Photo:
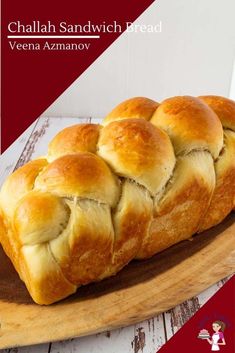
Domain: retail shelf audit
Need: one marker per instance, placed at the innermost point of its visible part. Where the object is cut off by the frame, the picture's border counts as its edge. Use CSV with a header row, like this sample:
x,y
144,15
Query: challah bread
x,y
223,197
151,176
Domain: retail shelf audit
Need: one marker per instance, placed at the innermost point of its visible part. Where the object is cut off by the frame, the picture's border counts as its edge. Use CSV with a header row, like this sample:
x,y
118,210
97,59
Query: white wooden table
x,y
145,337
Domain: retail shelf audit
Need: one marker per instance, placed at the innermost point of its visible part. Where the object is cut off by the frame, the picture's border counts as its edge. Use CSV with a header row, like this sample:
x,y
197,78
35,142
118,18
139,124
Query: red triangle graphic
x,y
33,79
220,307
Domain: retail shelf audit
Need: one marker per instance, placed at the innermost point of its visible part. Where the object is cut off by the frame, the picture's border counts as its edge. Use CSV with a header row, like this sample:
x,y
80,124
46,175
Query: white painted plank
x,y
33,143
41,348
146,337
47,129
178,316
208,293
10,157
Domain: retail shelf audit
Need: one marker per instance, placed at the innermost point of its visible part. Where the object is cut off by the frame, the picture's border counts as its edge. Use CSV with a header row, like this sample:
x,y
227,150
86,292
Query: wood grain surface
x,y
138,292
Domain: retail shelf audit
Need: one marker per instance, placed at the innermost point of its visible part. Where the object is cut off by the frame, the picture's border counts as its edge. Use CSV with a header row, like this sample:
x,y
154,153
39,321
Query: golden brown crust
x,y
185,201
223,198
81,175
136,149
135,108
152,176
191,124
48,284
131,223
84,249
224,108
36,267
19,183
10,246
39,217
74,139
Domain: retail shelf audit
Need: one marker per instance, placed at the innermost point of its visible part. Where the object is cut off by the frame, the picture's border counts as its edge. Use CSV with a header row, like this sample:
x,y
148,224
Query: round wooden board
x,y
141,290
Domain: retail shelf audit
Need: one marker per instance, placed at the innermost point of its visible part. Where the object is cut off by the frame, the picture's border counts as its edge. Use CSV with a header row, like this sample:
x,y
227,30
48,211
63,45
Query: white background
x,y
193,55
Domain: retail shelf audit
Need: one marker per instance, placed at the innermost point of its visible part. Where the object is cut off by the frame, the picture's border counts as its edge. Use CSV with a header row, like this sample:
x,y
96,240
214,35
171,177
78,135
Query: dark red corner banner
x,y
221,307
33,79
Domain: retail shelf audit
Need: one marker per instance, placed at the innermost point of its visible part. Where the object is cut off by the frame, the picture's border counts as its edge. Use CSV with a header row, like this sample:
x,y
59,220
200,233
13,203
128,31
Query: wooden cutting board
x,y
141,290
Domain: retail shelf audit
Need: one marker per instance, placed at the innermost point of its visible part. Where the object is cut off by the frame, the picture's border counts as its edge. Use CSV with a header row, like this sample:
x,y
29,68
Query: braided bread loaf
x,y
151,176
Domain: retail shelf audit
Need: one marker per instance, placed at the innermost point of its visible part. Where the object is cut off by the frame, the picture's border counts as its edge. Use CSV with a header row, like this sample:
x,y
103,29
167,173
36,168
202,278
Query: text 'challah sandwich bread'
x,y
150,176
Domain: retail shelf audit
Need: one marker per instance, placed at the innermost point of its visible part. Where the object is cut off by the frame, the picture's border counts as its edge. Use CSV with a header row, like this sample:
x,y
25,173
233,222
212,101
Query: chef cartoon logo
x,y
217,339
